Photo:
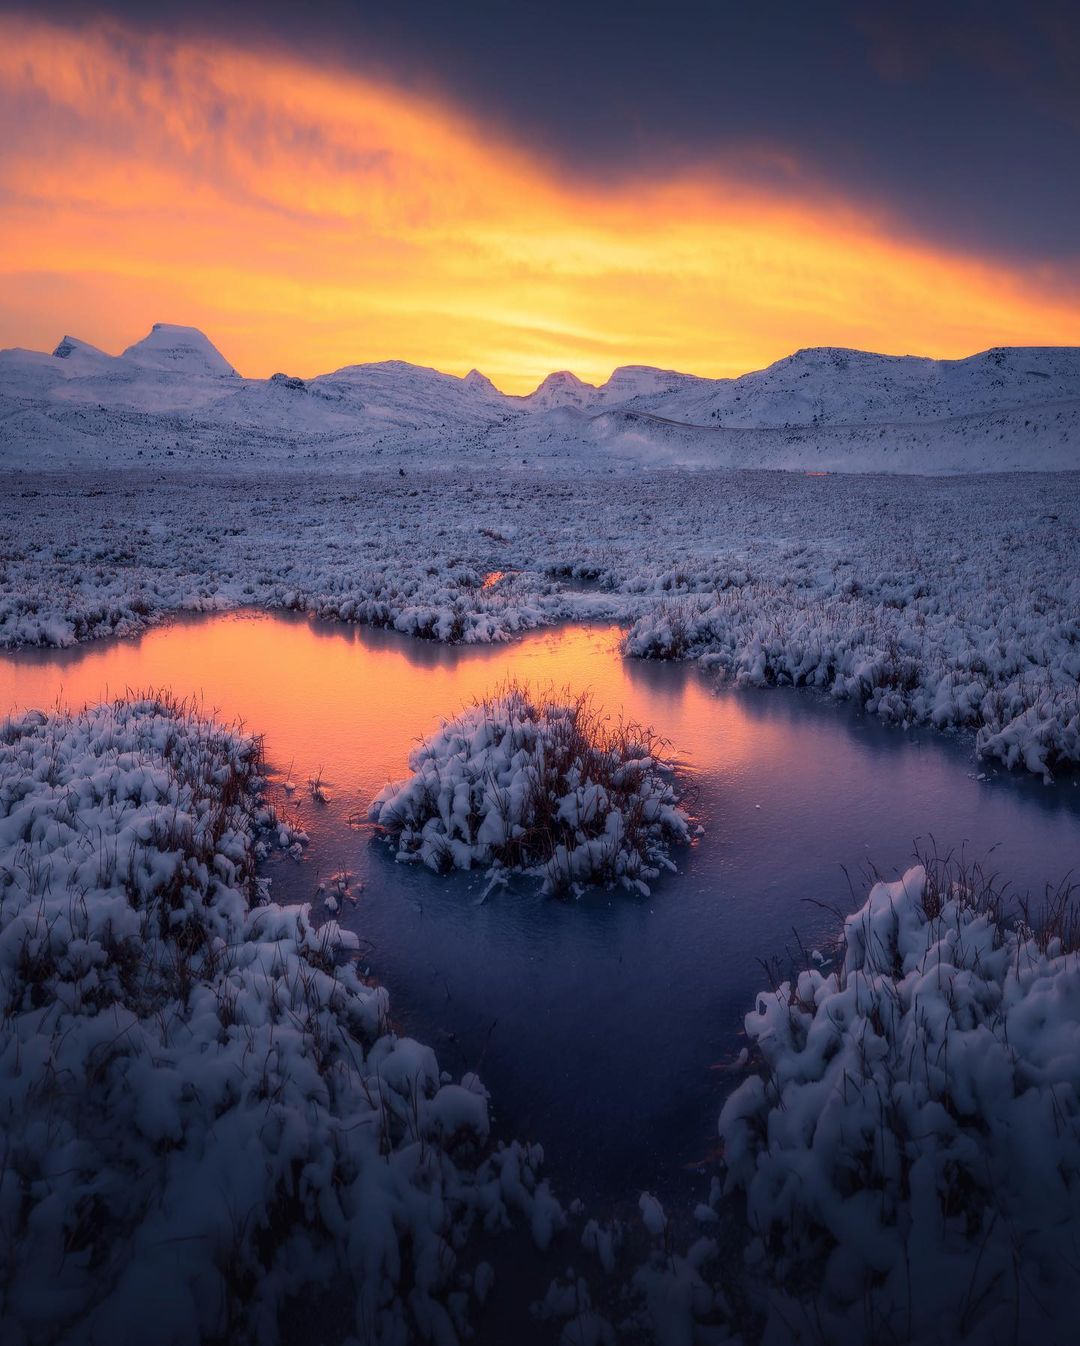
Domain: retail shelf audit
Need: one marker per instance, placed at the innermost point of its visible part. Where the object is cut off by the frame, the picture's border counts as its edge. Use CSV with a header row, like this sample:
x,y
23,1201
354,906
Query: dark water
x,y
598,1025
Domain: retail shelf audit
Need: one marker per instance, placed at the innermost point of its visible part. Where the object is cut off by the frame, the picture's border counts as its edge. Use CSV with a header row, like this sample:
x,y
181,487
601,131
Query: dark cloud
x,y
961,120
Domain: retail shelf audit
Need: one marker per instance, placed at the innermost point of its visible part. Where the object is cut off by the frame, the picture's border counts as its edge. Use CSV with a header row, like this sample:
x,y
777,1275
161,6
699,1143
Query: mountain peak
x,y
562,389
636,380
72,346
184,350
563,378
479,383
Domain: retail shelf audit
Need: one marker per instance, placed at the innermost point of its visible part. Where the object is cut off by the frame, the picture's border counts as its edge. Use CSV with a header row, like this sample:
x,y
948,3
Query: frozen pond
x,y
598,1024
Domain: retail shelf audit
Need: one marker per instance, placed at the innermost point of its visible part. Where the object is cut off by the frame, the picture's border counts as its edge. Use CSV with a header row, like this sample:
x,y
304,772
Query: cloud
x,y
307,216
961,122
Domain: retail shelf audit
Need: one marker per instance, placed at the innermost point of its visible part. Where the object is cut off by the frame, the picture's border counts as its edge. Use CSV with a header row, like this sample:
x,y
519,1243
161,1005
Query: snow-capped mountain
x,y
181,350
830,386
561,389
397,393
630,382
173,395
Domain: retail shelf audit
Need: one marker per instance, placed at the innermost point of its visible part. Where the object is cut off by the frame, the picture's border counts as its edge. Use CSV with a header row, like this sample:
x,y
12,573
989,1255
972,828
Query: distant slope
x,y
828,386
174,396
1043,438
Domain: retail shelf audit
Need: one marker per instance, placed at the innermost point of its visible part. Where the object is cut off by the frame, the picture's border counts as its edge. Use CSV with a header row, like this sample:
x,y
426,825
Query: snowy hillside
x,y
828,386
173,395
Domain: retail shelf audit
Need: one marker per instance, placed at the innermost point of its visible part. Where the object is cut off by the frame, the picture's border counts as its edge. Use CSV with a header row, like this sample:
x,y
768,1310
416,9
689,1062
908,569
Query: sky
x,y
528,187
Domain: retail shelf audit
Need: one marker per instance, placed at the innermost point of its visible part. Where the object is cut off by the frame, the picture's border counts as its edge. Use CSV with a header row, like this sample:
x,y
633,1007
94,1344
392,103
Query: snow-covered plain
x,y
952,601
173,395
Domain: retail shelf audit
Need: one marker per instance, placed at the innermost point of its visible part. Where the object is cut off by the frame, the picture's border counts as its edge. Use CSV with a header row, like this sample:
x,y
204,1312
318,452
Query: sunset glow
x,y
308,219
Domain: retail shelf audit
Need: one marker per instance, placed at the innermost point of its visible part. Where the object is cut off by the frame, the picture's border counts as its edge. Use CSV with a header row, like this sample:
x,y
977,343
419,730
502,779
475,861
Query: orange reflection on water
x,y
349,703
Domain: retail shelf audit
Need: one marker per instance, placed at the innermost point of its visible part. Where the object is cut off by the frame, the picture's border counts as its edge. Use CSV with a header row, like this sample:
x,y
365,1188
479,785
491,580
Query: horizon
x,y
551,373
325,197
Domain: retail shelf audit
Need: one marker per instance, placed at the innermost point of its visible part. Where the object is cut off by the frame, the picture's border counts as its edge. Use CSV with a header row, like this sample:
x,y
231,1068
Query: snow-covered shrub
x,y
541,783
910,1147
202,1110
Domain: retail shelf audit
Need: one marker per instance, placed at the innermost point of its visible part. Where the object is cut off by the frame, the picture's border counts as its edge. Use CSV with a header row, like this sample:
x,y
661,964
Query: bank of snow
x,y
910,1148
202,1106
541,784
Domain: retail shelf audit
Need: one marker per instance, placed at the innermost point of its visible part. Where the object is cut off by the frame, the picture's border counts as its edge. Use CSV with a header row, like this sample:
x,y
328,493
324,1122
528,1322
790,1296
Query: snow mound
x,y
912,1142
184,350
543,785
203,1110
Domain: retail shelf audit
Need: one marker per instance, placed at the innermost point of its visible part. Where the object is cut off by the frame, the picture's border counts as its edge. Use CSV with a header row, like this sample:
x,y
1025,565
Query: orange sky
x,y
306,219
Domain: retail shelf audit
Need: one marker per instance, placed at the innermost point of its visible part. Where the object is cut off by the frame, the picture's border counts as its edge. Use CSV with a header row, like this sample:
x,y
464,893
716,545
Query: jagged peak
x,y
479,383
70,346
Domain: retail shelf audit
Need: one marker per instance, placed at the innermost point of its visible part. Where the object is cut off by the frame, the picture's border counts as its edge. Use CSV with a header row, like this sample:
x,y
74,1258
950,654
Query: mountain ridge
x,y
836,408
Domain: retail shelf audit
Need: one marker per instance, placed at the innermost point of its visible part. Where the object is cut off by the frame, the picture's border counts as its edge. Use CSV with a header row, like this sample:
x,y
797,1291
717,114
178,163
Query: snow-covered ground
x,y
174,397
952,601
204,1110
207,1117
203,1106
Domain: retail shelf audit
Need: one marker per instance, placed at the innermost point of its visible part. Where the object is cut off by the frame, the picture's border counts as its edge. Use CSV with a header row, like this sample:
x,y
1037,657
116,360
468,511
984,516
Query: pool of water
x,y
600,1025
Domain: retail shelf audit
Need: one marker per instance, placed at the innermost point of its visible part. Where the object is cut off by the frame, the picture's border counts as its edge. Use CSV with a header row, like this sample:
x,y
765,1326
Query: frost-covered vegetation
x,y
542,783
203,1110
949,601
901,1161
909,1146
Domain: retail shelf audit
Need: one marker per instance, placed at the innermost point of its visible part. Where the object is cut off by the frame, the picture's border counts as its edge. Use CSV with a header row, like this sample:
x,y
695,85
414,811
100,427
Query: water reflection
x,y
596,1024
